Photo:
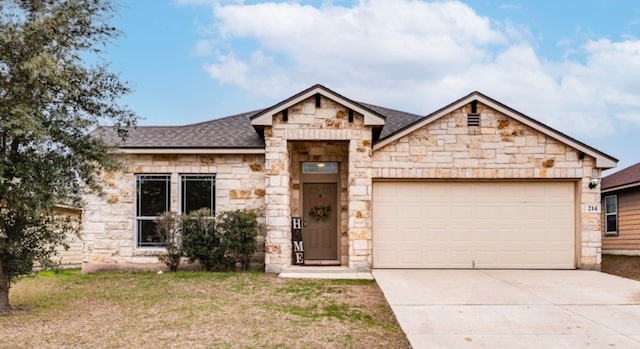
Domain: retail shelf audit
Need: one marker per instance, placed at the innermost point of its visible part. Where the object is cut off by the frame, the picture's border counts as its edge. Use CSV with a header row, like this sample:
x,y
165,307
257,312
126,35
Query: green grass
x,y
192,309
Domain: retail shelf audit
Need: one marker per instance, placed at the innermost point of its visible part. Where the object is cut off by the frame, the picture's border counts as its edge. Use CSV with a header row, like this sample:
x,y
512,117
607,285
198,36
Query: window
x,y
320,167
152,198
198,192
611,215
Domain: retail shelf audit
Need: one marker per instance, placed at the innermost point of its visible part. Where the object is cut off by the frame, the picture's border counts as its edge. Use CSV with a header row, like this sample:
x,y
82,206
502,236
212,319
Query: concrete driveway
x,y
513,308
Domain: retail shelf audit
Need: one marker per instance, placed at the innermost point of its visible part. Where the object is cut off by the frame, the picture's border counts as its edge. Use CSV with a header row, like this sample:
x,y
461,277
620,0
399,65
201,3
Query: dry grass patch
x,y
197,310
625,266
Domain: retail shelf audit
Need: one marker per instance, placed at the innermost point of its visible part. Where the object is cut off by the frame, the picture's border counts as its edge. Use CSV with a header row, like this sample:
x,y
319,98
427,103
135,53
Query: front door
x,y
320,212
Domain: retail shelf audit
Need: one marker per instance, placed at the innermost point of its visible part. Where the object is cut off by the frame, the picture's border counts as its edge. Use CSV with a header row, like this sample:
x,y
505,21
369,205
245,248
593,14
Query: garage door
x,y
474,225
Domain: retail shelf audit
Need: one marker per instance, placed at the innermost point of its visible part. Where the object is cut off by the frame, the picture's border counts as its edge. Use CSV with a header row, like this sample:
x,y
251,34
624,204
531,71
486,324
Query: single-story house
x,y
475,184
621,214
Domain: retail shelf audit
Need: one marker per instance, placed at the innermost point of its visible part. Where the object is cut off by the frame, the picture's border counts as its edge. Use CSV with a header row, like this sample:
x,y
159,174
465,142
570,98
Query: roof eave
x,y
193,150
621,187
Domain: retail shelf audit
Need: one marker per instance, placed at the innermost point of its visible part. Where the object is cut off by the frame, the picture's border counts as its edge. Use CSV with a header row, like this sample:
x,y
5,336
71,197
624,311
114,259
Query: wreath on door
x,y
320,209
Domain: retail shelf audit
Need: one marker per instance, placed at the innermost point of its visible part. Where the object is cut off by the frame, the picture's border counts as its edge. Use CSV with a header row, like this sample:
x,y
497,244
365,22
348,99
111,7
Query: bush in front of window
x,y
238,231
168,230
222,243
201,242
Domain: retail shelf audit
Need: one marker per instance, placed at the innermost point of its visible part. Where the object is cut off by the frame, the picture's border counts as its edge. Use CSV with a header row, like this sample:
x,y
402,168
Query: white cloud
x,y
419,56
204,48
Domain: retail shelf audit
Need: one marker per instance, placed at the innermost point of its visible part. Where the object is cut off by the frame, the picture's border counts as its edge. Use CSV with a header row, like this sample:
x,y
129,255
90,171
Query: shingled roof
x,y
626,178
228,132
231,132
395,119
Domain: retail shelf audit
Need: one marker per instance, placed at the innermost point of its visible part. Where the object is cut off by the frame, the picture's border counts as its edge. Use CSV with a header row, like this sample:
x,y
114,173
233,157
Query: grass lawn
x,y
625,266
196,310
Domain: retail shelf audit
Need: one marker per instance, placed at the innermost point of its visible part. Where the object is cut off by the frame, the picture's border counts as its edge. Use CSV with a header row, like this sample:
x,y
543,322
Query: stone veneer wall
x,y
501,148
109,232
329,123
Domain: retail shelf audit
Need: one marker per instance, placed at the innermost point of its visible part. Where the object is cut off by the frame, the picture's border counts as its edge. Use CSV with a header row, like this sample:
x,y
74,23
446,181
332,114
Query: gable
x,y
265,117
486,106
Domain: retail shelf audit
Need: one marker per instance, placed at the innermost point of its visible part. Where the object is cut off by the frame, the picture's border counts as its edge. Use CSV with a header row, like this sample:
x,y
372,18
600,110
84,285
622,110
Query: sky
x,y
572,64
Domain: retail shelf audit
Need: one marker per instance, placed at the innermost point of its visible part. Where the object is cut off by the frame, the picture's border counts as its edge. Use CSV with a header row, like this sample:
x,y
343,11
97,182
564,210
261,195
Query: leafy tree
x,y
50,97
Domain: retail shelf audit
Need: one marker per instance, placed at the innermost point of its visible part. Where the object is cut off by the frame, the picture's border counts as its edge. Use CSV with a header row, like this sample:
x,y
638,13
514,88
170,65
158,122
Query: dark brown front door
x,y
320,214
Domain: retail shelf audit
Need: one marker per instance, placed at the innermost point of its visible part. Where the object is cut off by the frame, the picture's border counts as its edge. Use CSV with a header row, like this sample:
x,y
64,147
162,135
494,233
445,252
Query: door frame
x,y
323,178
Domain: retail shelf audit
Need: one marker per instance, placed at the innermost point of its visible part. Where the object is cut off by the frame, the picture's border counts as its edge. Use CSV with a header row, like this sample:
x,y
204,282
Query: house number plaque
x,y
296,241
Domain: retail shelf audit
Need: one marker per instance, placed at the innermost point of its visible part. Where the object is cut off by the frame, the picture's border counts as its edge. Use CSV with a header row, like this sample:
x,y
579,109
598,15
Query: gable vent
x,y
473,120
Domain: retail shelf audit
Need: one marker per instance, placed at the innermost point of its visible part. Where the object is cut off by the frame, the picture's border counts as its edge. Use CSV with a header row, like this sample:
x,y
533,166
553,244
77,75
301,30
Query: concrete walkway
x,y
514,308
324,272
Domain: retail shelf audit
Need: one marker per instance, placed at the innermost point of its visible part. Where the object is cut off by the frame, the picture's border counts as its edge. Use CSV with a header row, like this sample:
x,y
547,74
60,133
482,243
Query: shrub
x,y
168,229
237,231
201,242
218,244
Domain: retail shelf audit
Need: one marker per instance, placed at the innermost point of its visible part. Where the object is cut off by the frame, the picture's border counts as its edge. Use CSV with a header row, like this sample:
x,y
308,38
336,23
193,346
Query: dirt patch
x,y
625,266
197,310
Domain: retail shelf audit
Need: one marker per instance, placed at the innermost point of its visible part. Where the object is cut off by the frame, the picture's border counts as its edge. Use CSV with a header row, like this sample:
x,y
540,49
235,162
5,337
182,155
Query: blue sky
x,y
572,64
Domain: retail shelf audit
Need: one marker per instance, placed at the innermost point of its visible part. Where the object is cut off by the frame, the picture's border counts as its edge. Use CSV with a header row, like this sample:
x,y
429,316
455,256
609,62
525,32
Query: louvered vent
x,y
473,120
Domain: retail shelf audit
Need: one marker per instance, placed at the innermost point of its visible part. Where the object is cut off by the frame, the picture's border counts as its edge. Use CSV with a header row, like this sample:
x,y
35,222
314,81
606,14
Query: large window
x,y
611,215
153,196
198,192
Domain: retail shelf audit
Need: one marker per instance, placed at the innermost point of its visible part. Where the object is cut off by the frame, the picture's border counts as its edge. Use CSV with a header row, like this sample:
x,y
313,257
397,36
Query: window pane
x,y
320,167
198,192
153,195
611,204
147,233
612,223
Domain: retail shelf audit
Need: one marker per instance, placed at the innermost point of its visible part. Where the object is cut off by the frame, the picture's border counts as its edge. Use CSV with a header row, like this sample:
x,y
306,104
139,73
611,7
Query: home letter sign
x,y
296,241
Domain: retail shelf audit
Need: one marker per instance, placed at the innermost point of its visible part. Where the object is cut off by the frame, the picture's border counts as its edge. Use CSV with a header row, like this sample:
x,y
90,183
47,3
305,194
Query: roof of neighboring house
x,y
626,178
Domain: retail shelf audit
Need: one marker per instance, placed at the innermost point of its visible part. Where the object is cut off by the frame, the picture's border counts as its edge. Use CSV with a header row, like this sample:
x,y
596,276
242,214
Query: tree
x,y
50,98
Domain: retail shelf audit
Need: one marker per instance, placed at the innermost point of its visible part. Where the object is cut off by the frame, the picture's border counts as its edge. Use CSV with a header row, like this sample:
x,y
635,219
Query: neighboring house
x,y
475,184
73,256
621,213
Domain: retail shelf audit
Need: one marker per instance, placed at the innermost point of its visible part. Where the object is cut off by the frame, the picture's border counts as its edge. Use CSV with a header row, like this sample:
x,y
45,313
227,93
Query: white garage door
x,y
473,225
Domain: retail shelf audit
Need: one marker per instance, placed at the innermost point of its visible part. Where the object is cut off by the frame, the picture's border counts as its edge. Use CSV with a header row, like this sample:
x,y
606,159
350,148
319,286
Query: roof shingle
x,y
627,176
229,132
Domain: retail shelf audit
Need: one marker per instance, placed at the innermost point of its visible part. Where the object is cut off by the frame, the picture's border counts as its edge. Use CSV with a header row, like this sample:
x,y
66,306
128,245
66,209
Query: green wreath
x,y
320,212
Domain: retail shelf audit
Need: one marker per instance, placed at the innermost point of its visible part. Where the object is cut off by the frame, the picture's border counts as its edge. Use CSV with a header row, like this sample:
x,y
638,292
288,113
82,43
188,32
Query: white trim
x,y
136,202
222,151
607,214
265,118
601,160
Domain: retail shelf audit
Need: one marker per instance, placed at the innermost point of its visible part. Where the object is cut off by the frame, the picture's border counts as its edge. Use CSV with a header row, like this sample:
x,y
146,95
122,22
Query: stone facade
x,y
316,128
109,224
500,149
306,125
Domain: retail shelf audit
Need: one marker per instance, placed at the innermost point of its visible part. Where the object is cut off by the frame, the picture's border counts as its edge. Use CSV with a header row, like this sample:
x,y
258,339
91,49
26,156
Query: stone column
x,y
360,202
591,232
277,208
